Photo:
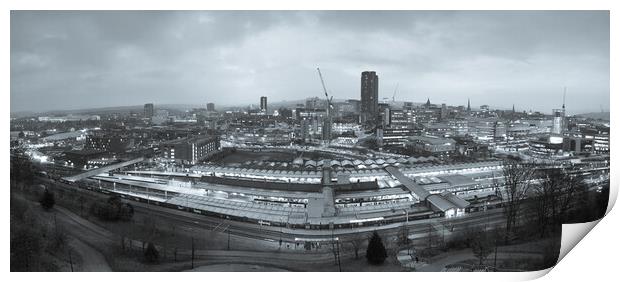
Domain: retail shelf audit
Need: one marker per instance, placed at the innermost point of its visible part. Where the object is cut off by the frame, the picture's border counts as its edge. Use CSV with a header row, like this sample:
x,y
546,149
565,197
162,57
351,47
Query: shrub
x,y
112,210
47,200
151,254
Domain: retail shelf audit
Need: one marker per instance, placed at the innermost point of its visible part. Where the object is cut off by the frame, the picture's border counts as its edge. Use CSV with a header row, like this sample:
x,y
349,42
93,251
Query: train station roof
x,y
413,187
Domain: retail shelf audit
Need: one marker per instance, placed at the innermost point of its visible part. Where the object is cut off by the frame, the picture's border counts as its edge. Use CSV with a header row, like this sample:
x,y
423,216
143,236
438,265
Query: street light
x,y
407,231
228,230
486,208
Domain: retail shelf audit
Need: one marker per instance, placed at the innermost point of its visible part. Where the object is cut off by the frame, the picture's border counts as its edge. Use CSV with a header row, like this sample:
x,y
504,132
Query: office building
x,y
191,150
263,104
443,114
369,95
108,143
148,110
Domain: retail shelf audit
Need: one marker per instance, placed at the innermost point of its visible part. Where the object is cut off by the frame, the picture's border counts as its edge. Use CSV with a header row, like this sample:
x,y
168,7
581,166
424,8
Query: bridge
x,y
101,170
448,203
416,190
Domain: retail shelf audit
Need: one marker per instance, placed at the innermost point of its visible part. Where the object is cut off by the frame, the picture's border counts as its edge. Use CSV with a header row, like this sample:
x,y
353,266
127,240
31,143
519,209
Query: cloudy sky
x,y
83,59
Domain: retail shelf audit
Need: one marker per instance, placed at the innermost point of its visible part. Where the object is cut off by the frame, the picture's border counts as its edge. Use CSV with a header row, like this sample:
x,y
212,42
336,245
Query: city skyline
x,y
95,59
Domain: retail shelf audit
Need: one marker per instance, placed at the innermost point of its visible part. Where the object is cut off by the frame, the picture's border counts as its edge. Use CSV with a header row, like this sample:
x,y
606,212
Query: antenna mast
x,y
394,96
564,100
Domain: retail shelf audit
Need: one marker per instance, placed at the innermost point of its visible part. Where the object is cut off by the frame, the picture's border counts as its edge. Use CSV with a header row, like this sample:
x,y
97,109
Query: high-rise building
x,y
263,104
326,130
399,127
499,130
305,129
558,121
444,112
210,107
148,110
370,95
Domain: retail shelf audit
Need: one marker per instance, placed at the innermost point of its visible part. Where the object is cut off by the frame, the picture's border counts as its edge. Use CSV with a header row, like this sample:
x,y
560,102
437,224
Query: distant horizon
x,y
203,105
66,60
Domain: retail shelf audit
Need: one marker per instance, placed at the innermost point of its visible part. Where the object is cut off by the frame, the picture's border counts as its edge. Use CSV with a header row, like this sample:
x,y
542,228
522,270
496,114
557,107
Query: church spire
x,y
428,102
468,105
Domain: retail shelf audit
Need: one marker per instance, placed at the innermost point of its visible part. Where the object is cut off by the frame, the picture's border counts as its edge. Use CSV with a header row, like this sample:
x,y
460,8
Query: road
x,y
96,237
100,238
237,267
82,235
92,260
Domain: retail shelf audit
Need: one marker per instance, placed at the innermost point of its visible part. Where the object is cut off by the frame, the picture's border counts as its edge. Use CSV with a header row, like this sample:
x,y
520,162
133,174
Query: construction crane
x,y
394,96
329,106
327,123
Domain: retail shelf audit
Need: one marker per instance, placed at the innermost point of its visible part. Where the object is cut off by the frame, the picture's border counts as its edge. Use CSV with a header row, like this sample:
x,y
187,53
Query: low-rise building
x,y
430,145
546,147
191,150
80,158
108,143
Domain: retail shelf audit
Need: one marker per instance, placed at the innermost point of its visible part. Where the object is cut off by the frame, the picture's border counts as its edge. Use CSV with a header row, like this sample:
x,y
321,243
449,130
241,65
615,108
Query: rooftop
x,y
431,139
189,139
458,180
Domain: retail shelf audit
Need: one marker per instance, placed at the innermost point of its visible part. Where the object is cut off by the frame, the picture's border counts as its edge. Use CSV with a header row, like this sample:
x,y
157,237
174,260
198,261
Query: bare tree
x,y
356,242
173,231
517,181
403,235
553,195
482,246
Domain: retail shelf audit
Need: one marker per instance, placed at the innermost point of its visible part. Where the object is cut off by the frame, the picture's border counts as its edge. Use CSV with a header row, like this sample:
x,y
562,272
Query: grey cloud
x,y
76,59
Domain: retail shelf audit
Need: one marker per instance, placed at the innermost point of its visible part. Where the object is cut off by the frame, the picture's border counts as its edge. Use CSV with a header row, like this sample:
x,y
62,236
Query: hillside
x,y
599,115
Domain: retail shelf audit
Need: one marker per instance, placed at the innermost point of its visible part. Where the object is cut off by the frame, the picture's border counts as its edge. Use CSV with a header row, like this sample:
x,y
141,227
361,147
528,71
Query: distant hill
x,y
22,114
599,115
105,110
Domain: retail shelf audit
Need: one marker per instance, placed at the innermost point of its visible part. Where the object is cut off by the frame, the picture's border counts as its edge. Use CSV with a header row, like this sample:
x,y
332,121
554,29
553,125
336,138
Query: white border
x,y
594,258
